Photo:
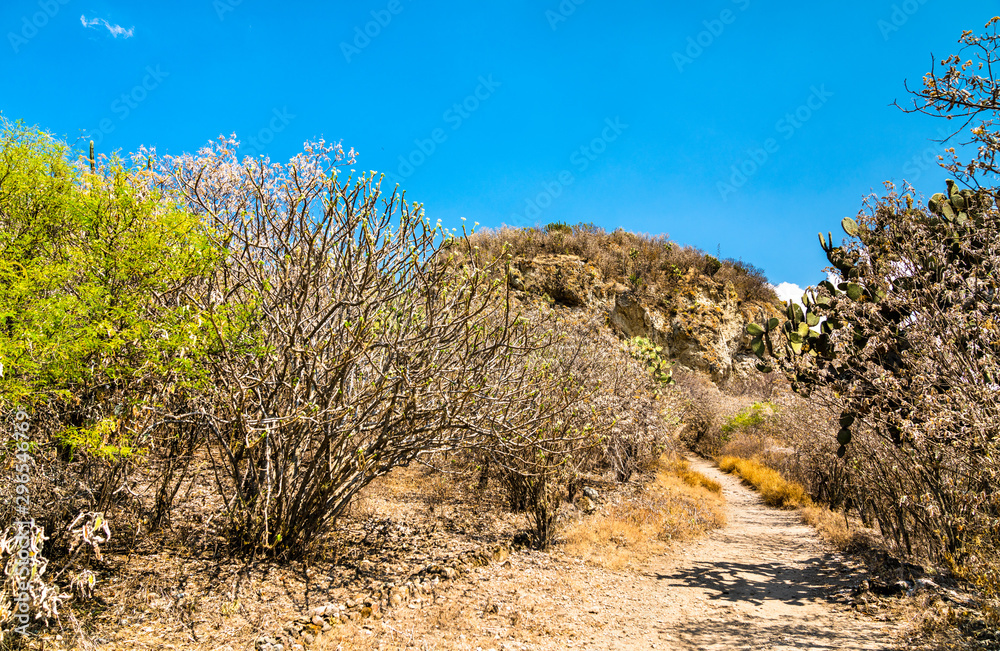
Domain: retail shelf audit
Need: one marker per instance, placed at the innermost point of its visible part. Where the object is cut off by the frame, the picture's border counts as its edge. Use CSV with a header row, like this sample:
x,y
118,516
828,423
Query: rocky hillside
x,y
700,322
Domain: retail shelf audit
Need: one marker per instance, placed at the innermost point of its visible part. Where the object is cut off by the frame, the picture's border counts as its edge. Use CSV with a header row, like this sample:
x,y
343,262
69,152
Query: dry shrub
x,y
645,413
704,410
774,489
679,504
649,264
748,280
614,420
982,571
793,436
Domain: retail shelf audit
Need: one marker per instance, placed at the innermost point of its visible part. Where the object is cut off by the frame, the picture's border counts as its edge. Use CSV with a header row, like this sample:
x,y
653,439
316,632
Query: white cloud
x,y
789,292
116,30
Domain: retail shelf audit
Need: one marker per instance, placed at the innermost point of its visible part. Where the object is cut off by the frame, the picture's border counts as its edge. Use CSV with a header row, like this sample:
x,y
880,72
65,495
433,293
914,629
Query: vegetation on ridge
x,y
651,265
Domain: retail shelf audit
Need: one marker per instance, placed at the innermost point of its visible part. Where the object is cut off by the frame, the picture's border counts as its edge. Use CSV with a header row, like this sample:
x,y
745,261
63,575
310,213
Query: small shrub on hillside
x,y
712,265
749,281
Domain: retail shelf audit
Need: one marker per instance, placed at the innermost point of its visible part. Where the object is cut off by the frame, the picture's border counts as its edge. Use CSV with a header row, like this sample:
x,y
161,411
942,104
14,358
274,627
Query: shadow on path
x,y
756,582
814,633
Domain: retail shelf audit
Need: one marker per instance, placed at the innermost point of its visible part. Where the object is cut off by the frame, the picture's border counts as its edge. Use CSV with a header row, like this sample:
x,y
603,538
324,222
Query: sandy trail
x,y
764,581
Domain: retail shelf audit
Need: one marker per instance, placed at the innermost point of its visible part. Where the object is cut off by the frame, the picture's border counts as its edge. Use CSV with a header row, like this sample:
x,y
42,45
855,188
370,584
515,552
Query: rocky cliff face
x,y
701,325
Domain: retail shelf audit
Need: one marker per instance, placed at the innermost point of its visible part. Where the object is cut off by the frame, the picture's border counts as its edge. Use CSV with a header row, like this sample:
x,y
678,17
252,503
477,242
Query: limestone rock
x,y
566,279
701,324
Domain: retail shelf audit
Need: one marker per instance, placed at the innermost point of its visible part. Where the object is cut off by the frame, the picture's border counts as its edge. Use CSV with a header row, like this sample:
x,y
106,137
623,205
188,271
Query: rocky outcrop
x,y
565,279
701,325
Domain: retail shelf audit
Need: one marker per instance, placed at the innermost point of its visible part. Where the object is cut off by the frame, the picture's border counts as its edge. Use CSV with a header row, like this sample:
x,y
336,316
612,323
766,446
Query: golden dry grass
x,y
679,504
774,489
682,469
833,527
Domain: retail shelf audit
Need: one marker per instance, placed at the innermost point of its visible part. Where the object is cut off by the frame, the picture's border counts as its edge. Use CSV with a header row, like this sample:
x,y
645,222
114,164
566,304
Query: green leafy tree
x,y
97,333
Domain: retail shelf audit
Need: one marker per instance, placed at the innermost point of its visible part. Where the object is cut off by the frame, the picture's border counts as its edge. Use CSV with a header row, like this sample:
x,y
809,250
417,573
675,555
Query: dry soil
x,y
764,581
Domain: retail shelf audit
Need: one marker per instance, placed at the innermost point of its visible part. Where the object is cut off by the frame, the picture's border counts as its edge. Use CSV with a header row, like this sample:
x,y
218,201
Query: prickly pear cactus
x,y
814,345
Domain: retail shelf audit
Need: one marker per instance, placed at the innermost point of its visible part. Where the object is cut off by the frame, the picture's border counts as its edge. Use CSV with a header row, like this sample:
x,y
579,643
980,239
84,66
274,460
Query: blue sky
x,y
631,114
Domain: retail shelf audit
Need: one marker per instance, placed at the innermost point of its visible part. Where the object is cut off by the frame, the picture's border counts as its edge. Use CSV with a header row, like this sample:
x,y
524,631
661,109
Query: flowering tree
x,y
966,91
351,336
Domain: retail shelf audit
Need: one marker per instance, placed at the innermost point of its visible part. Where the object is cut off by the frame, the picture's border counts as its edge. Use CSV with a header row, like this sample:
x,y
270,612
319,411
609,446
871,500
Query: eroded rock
x,y
701,325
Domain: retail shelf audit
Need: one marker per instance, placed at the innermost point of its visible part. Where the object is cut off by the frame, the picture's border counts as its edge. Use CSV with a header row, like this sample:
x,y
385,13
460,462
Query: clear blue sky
x,y
602,112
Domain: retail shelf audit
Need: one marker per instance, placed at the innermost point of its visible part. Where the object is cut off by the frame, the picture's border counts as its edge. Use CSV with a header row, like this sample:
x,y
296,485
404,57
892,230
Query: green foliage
x,y
712,265
558,227
92,273
750,418
647,352
94,439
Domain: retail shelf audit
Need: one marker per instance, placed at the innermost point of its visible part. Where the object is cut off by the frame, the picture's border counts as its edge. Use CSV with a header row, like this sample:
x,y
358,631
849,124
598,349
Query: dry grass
x,y
681,468
835,528
679,504
774,489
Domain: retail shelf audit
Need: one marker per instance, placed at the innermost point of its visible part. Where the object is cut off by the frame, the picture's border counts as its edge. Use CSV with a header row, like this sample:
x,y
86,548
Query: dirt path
x,y
762,582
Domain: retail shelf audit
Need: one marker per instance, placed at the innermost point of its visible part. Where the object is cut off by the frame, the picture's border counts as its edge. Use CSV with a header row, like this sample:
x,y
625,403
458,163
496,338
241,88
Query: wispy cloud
x,y
116,30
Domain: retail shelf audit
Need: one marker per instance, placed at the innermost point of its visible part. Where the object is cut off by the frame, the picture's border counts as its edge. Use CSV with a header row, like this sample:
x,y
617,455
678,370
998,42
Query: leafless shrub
x,y
539,465
795,437
639,411
705,407
908,358
26,594
612,417
351,337
749,281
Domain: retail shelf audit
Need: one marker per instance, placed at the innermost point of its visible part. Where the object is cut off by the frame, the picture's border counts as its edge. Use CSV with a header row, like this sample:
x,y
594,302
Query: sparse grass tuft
x,y
679,504
833,527
773,488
